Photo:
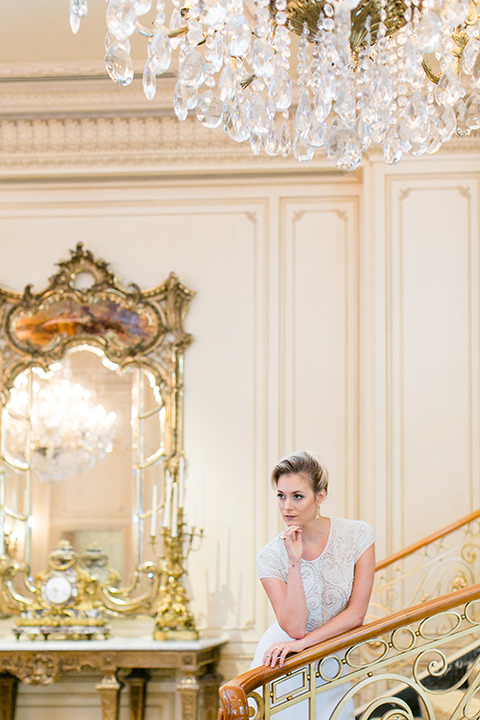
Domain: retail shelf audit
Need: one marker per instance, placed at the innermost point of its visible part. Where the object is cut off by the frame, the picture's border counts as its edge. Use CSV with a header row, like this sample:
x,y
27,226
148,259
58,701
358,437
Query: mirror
x,y
92,463
81,447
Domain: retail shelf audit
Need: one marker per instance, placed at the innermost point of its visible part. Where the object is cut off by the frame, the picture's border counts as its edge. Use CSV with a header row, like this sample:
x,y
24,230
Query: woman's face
x,y
296,499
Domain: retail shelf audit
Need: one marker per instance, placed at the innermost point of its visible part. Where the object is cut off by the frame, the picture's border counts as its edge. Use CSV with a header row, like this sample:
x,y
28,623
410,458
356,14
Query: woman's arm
x,y
351,617
288,599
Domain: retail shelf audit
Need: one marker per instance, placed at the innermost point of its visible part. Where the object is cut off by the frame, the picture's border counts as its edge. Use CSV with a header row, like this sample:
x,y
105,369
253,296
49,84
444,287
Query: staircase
x,y
417,656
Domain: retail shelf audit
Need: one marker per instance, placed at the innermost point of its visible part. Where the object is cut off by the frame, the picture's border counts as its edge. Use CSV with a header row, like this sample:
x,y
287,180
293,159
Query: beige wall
x,y
338,313
333,312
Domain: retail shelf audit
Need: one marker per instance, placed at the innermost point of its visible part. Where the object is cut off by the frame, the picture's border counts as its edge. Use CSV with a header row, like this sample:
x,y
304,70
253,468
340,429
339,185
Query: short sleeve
x,y
269,563
365,538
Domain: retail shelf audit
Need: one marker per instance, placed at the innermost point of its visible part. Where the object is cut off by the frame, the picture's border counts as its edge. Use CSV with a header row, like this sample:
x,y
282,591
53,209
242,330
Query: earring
x,y
317,517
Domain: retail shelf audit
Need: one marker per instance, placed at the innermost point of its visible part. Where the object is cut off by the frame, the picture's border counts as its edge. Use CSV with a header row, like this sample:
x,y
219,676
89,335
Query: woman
x,y
318,573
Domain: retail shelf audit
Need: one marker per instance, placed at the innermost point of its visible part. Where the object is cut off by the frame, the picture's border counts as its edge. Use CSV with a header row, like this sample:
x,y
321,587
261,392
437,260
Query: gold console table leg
x,y
8,696
209,690
137,686
188,689
109,690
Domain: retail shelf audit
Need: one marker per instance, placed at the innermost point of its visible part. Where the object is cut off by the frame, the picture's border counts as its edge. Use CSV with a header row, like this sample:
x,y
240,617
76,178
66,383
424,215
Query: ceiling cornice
x,y
87,125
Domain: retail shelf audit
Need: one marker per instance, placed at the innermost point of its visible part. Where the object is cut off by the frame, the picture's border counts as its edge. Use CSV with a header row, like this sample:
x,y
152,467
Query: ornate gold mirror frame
x,y
142,333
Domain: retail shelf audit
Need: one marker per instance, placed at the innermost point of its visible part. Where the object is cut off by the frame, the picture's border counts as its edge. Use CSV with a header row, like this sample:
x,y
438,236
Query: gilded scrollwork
x,y
405,673
85,305
257,706
124,323
40,668
446,564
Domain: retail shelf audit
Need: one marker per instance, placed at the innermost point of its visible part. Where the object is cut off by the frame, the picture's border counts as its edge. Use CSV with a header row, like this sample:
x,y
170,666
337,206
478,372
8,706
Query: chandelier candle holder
x,y
401,74
173,619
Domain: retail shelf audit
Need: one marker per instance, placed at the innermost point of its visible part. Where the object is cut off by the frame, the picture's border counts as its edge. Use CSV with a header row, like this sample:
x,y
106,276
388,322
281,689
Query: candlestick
x,y
153,524
174,510
193,502
181,482
168,500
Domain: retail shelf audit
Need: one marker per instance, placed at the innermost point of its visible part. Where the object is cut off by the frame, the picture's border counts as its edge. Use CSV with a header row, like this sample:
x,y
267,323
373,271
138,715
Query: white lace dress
x,y
327,582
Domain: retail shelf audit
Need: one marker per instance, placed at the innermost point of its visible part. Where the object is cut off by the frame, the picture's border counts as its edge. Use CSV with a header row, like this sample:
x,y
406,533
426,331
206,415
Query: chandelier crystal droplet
x,y
69,432
402,74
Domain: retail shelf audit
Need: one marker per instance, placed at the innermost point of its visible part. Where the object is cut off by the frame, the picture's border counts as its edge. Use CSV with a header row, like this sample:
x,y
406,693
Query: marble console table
x,y
121,661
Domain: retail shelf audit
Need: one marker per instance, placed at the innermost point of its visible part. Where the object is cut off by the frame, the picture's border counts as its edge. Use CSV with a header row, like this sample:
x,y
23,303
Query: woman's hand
x,y
292,537
279,651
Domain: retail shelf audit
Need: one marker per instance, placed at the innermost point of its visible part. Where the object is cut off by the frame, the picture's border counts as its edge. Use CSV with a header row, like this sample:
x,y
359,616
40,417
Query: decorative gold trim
x,y
376,670
444,562
160,312
85,304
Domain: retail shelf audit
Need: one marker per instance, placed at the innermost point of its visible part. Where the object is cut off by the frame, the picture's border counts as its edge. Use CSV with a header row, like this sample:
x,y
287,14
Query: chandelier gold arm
x,y
460,39
365,20
429,72
174,33
142,30
473,12
248,81
307,12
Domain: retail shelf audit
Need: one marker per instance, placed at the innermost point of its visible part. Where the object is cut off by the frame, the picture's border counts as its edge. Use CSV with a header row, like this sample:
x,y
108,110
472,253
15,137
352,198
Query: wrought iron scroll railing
x,y
422,662
443,562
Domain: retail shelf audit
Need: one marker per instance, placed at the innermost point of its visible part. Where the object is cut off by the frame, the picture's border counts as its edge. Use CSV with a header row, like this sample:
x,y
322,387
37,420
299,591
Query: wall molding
x,y
397,422
76,120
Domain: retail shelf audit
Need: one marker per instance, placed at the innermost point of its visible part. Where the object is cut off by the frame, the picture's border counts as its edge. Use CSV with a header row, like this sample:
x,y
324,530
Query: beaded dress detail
x,y
328,579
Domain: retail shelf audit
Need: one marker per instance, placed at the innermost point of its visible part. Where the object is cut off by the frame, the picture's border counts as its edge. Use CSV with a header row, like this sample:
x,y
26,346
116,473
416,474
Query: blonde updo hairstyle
x,y
303,463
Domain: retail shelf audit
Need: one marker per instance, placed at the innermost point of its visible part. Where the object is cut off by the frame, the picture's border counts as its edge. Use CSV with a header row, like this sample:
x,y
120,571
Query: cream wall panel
x,y
434,354
373,448
419,346
320,338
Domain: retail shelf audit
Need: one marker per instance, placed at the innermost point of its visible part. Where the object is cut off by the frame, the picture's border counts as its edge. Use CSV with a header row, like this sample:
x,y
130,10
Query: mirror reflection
x,y
82,421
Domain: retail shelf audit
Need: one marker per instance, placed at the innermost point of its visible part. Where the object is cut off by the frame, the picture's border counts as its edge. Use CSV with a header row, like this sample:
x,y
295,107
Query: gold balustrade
x,y
425,657
418,655
445,561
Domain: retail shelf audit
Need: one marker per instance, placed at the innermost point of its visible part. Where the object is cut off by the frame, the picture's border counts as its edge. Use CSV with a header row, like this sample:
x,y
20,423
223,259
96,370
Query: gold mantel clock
x,y
135,342
65,604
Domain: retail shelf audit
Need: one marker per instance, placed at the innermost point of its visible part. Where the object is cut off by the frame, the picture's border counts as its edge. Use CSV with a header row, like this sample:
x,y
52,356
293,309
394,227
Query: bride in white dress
x,y
318,575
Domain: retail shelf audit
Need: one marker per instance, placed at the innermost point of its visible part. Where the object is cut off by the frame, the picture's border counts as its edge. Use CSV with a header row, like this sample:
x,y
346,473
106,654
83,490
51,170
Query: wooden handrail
x,y
234,694
427,540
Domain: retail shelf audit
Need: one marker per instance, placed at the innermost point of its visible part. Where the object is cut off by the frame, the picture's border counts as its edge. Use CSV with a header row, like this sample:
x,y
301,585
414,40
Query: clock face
x,y
57,590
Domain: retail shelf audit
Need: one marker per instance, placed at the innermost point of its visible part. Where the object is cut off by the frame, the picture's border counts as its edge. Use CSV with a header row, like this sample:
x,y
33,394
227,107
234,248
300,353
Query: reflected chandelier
x,y
69,433
403,74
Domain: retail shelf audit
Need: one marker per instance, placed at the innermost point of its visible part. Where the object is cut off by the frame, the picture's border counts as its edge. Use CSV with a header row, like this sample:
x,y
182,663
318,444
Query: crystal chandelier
x,y
402,74
69,433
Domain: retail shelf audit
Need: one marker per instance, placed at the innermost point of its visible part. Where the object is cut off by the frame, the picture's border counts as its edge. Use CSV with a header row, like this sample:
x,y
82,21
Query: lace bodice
x,y
328,579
